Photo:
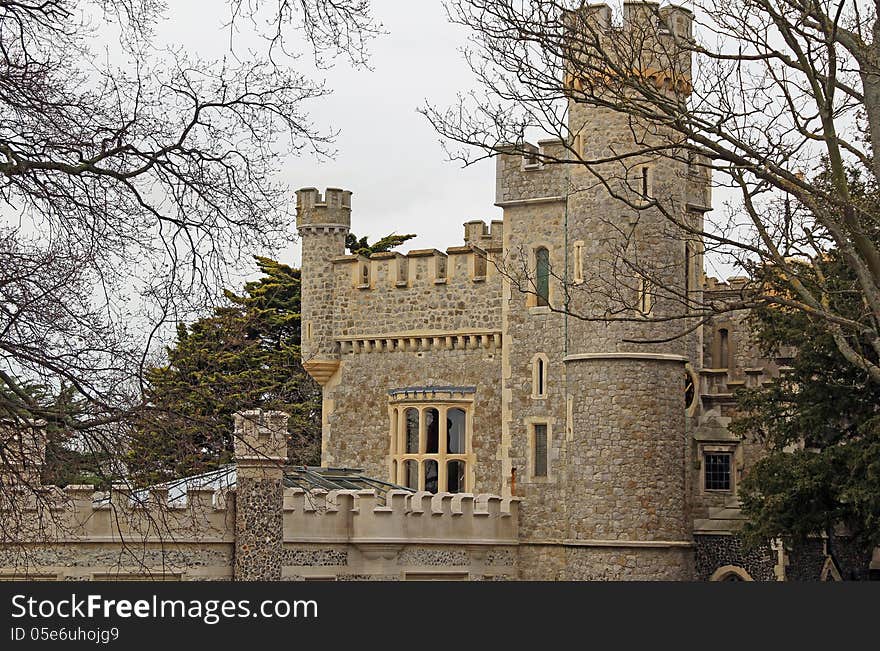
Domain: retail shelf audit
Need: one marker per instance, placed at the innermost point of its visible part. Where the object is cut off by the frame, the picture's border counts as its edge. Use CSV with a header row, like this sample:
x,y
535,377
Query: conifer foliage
x,y
243,356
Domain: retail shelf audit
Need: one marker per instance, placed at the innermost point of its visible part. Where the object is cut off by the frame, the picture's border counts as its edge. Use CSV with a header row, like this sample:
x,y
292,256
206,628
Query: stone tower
x,y
608,498
323,223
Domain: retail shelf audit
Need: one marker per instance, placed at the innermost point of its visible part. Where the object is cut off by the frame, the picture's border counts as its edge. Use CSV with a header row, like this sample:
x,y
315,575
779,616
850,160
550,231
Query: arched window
x,y
539,376
542,276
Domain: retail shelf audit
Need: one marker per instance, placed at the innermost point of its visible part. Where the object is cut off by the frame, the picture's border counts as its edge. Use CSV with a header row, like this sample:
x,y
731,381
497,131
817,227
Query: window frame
x,y
542,299
531,424
399,456
730,449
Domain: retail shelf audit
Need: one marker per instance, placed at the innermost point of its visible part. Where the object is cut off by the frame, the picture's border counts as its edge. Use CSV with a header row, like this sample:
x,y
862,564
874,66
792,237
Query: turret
x,y
323,222
602,427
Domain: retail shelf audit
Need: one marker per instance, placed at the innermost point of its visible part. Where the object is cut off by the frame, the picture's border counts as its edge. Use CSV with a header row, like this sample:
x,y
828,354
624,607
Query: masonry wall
x,y
356,405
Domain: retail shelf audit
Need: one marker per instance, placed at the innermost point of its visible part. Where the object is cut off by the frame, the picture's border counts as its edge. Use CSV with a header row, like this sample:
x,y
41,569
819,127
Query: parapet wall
x,y
527,173
424,291
79,534
403,518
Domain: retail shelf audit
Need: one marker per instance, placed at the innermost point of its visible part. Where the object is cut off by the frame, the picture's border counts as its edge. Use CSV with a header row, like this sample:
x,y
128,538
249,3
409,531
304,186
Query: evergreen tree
x,y
362,247
820,422
245,355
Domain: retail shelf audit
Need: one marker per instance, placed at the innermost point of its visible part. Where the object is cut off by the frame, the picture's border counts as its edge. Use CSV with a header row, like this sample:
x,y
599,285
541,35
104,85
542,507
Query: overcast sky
x,y
389,156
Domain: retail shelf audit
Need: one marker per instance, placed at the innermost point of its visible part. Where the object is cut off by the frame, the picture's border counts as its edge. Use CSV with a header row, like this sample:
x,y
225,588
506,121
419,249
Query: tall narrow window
x,y
540,452
646,181
431,476
723,348
411,474
539,376
578,262
455,476
479,264
687,269
432,431
645,298
455,430
412,431
542,276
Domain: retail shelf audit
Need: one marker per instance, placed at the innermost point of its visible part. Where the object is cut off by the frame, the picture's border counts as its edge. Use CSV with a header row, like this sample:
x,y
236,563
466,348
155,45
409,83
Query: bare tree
x,y
135,168
778,99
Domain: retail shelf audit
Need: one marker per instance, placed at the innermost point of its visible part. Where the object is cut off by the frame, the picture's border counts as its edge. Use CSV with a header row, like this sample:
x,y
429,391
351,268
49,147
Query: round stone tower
x,y
323,222
625,465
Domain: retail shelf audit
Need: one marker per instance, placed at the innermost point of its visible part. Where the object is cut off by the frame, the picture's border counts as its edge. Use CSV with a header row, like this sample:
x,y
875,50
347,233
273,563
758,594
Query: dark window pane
x,y
431,476
540,450
542,276
455,425
717,472
540,374
412,431
411,474
455,476
432,431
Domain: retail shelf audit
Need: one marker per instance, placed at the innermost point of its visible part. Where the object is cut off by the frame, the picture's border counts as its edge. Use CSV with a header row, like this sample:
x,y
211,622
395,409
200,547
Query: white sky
x,y
388,155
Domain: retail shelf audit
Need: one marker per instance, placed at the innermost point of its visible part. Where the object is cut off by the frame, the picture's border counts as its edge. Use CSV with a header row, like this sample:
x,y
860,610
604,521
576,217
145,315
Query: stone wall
x,y
715,552
356,402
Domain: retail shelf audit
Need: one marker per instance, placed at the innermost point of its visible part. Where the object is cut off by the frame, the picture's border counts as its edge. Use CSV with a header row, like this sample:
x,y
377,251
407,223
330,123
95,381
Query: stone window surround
x,y
735,451
717,362
541,368
725,571
531,293
530,423
578,260
644,296
442,401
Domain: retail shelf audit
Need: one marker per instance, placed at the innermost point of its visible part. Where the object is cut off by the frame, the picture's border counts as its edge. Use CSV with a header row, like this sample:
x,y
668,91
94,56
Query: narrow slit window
x,y
578,262
645,299
542,276
479,264
723,348
687,269
539,377
540,435
646,181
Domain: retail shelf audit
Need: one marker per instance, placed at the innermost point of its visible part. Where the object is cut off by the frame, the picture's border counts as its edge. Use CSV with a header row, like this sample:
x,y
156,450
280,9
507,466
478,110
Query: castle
x,y
534,439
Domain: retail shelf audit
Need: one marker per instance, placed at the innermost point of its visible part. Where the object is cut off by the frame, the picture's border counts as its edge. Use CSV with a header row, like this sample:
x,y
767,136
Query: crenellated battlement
x,y
81,513
526,174
732,284
486,238
662,36
330,210
402,517
424,267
